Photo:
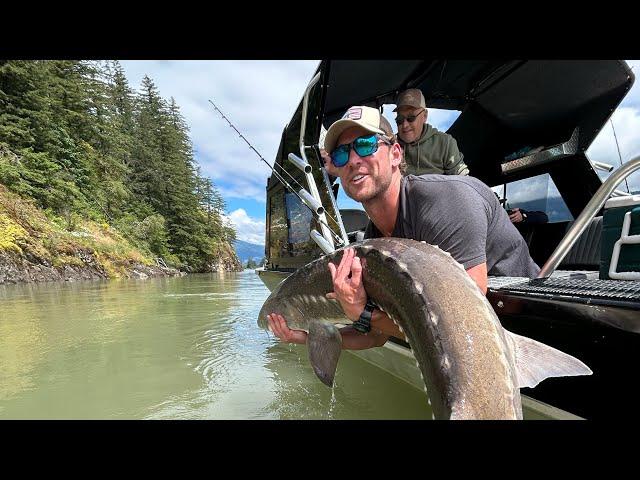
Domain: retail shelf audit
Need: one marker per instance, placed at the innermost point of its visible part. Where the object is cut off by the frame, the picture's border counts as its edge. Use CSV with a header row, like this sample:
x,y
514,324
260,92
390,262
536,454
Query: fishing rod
x,y
307,197
619,154
304,201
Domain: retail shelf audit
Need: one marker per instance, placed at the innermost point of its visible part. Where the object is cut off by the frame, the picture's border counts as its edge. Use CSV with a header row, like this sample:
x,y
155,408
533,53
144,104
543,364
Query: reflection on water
x,y
171,348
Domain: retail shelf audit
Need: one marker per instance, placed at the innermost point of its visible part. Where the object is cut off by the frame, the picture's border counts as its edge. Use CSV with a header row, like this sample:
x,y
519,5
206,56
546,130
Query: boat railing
x,y
593,207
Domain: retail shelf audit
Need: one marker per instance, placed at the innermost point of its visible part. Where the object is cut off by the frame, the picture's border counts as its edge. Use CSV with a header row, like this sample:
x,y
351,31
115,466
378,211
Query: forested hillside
x,y
90,154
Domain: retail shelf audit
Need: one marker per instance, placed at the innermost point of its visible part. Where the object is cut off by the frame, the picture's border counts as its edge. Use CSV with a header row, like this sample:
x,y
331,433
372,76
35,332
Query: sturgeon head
x,y
472,367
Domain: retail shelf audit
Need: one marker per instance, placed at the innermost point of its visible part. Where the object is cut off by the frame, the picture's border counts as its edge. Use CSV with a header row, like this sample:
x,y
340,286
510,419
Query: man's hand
x,y
515,216
347,285
278,326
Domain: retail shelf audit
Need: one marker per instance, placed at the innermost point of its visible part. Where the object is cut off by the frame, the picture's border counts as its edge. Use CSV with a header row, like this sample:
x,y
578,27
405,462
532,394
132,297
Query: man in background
x,y
426,150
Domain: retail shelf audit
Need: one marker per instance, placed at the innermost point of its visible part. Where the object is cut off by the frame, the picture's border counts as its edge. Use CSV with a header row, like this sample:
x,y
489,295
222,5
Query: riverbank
x,y
16,269
40,247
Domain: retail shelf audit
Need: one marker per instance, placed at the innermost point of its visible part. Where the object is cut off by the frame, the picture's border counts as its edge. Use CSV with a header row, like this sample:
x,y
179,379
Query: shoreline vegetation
x,y
36,248
98,181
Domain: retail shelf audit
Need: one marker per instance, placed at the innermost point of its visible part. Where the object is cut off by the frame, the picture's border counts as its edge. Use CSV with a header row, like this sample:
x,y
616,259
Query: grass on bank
x,y
43,237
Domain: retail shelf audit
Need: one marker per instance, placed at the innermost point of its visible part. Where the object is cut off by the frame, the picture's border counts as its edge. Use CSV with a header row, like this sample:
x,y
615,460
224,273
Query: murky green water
x,y
176,348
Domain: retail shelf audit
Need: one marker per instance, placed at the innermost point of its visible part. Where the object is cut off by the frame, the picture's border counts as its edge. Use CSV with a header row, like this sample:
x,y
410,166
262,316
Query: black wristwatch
x,y
363,324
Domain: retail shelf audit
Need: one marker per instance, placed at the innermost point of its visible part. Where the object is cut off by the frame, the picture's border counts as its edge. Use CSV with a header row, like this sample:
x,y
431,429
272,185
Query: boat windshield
x,y
537,193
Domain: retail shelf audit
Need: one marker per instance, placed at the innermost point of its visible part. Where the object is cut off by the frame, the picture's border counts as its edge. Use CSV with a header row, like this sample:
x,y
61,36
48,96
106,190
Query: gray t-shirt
x,y
462,216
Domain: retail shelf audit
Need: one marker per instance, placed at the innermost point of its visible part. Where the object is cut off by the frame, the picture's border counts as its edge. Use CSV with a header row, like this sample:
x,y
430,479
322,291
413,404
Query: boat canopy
x,y
507,106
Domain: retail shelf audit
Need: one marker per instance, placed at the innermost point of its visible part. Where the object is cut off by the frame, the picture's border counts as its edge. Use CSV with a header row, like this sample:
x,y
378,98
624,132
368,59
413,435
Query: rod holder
x,y
602,166
325,246
300,163
311,202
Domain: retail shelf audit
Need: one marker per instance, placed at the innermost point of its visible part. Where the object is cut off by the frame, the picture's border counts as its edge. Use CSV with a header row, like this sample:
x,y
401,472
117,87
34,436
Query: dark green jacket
x,y
433,152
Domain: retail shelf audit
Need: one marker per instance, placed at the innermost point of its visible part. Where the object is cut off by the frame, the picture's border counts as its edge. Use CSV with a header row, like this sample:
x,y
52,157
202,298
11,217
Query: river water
x,y
172,348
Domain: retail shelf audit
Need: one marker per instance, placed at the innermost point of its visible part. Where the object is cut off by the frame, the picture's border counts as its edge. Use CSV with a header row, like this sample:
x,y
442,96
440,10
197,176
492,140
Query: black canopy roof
x,y
505,104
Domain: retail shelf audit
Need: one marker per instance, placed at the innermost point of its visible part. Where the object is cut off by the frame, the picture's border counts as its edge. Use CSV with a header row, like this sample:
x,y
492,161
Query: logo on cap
x,y
354,113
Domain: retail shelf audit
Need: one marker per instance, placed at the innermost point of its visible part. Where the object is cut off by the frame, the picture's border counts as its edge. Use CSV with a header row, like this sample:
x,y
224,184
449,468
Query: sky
x,y
260,96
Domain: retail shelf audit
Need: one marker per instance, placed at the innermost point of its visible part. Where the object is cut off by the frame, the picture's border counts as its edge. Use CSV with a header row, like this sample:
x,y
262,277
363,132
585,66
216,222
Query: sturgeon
x,y
471,366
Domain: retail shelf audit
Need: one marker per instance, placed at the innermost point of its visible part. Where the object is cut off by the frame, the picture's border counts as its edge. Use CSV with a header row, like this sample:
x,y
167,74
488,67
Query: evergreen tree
x,y
251,263
146,163
34,126
75,137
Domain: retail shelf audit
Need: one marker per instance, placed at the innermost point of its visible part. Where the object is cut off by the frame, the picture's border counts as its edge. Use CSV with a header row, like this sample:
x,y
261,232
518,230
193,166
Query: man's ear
x,y
396,154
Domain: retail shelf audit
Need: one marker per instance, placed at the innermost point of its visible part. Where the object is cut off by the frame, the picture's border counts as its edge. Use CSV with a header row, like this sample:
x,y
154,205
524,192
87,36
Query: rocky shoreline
x,y
19,269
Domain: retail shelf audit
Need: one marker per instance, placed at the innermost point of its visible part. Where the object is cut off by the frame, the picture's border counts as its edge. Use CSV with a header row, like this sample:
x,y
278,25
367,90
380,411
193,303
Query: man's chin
x,y
360,195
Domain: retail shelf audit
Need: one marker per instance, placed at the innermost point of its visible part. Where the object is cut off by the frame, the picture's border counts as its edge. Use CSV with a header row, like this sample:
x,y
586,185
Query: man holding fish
x,y
459,214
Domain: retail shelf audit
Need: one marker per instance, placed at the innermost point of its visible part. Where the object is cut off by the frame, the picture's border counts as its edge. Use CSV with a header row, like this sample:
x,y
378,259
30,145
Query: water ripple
x,y
185,347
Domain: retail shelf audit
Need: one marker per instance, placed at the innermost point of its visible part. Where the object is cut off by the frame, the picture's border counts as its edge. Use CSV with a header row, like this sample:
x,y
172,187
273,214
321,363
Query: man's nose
x,y
354,158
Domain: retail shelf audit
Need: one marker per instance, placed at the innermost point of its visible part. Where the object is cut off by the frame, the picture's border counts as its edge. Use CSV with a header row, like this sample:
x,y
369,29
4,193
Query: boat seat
x,y
585,253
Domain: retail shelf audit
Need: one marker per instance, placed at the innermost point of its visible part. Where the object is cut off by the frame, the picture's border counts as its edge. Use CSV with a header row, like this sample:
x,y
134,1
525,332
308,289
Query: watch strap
x,y
363,324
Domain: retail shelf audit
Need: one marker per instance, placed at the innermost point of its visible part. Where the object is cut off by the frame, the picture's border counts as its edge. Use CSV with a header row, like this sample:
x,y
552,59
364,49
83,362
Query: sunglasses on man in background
x,y
409,118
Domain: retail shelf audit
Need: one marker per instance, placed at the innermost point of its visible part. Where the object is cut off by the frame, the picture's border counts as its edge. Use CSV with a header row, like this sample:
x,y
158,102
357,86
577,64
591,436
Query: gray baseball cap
x,y
412,97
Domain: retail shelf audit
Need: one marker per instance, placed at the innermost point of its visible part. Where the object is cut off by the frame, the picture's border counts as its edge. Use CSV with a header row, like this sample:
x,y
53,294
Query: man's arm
x,y
453,162
535,217
347,281
351,339
350,294
479,275
354,340
518,215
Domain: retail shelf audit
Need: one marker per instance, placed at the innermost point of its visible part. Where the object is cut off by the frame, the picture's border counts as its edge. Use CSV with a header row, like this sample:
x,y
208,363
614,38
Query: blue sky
x,y
259,98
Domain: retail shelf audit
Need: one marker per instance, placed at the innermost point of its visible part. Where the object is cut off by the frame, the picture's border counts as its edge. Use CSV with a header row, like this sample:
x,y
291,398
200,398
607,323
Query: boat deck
x,y
573,286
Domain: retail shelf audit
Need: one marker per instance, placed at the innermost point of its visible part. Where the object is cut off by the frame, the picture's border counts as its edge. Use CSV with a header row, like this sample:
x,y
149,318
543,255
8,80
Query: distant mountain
x,y
246,250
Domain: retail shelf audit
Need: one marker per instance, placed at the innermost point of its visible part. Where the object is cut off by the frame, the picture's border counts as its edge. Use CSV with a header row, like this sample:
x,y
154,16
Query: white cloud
x,y
528,189
626,121
248,229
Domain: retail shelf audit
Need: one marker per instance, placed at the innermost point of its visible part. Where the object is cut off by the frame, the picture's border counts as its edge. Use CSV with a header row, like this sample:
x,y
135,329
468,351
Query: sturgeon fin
x,y
536,361
325,345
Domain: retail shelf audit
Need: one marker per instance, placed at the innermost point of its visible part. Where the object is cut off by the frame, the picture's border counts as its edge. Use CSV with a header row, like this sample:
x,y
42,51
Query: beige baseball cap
x,y
358,116
412,97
